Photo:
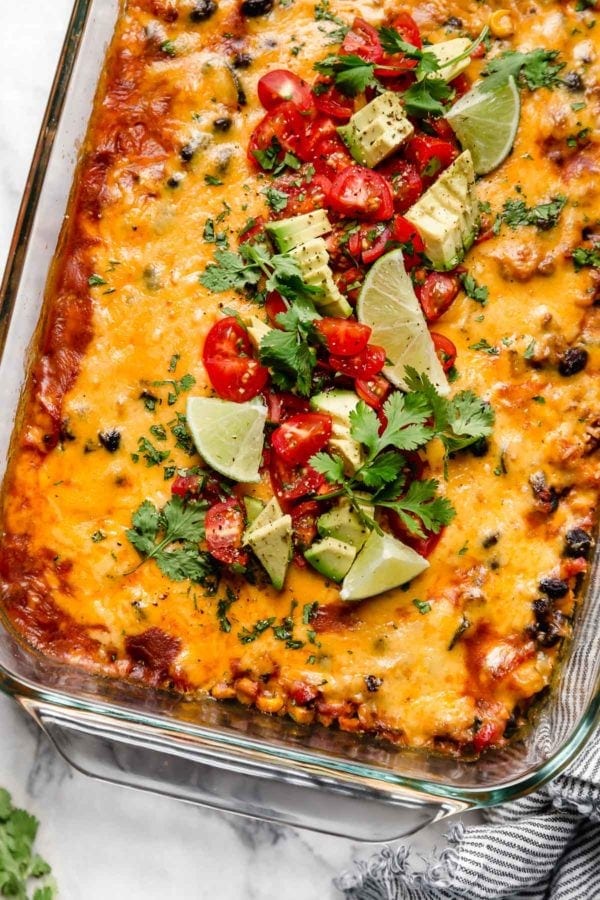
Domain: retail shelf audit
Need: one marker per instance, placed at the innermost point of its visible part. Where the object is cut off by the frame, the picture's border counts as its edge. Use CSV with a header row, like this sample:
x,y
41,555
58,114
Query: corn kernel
x,y
501,23
269,704
301,715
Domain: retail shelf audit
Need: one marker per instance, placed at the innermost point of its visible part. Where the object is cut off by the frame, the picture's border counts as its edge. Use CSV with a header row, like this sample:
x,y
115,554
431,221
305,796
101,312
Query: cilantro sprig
x,y
18,862
170,537
253,263
536,69
289,352
413,419
586,257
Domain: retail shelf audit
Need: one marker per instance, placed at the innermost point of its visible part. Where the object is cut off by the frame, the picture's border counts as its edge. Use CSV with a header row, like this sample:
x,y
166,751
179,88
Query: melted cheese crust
x,y
101,347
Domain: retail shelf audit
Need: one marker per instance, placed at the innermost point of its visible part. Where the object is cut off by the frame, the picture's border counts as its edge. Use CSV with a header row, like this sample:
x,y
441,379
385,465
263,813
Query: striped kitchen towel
x,y
545,846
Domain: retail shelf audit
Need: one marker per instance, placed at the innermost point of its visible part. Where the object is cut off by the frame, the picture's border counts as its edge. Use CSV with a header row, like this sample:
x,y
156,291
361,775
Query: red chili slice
x,y
224,524
228,361
437,294
280,86
344,337
445,349
301,436
373,391
364,365
361,193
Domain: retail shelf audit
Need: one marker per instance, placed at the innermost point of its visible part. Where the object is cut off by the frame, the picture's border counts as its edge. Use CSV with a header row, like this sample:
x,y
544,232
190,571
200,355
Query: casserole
x,y
79,710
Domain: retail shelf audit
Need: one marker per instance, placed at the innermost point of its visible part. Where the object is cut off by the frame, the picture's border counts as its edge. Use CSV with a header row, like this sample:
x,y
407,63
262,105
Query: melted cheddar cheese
x,y
136,219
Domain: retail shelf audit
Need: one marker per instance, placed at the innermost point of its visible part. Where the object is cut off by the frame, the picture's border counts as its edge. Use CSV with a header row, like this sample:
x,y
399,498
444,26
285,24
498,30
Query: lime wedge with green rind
x,y
228,436
389,305
383,563
486,122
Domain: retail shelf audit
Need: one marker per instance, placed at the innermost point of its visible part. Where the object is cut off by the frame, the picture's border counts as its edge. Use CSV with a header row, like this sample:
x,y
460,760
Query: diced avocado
x,y
288,233
376,130
272,545
339,404
254,507
270,513
344,524
257,330
311,256
446,215
330,557
313,260
445,52
349,451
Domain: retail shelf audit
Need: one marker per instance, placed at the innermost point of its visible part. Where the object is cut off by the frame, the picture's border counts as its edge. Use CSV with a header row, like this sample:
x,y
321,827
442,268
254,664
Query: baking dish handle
x,y
248,785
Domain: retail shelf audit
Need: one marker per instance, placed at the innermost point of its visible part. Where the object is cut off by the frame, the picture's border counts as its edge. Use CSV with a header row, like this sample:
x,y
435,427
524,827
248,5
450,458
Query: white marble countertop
x,y
106,841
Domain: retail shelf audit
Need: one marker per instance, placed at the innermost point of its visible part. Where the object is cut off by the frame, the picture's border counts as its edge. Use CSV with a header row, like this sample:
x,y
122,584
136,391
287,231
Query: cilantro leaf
x,y
364,426
421,502
155,532
290,359
18,862
277,200
586,257
330,466
351,74
406,416
470,419
229,271
536,69
425,98
384,469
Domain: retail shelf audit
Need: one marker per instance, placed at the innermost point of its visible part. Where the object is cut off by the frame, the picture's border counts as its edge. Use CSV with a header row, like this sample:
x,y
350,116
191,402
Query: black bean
x,y
252,8
202,10
555,588
110,439
222,124
577,543
453,22
242,61
572,361
573,81
545,495
373,683
175,180
548,627
490,540
187,152
480,447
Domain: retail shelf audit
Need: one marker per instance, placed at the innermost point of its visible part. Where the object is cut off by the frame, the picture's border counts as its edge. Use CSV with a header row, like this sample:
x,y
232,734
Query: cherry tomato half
x,y
445,349
487,734
279,86
343,337
290,483
282,405
301,436
227,358
423,546
430,154
274,305
404,232
372,391
361,193
332,102
350,282
437,294
281,127
304,523
405,181
224,524
362,40
305,191
408,29
364,365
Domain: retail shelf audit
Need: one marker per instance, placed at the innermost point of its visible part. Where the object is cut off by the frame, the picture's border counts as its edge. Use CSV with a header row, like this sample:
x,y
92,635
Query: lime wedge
x,y
228,436
486,122
382,564
388,303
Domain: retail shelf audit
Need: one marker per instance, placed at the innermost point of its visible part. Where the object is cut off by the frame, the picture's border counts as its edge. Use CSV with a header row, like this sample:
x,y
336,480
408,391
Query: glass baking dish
x,y
212,753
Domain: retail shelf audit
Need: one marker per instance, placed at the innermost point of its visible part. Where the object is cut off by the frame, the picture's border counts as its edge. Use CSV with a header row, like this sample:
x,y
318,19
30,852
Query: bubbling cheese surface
x,y
137,219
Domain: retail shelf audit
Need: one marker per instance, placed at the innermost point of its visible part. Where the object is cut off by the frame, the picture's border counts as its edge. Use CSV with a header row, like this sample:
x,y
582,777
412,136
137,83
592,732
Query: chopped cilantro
x,y
277,200
485,347
516,213
212,179
478,292
223,607
586,257
98,536
150,453
169,48
423,606
246,636
183,439
96,280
